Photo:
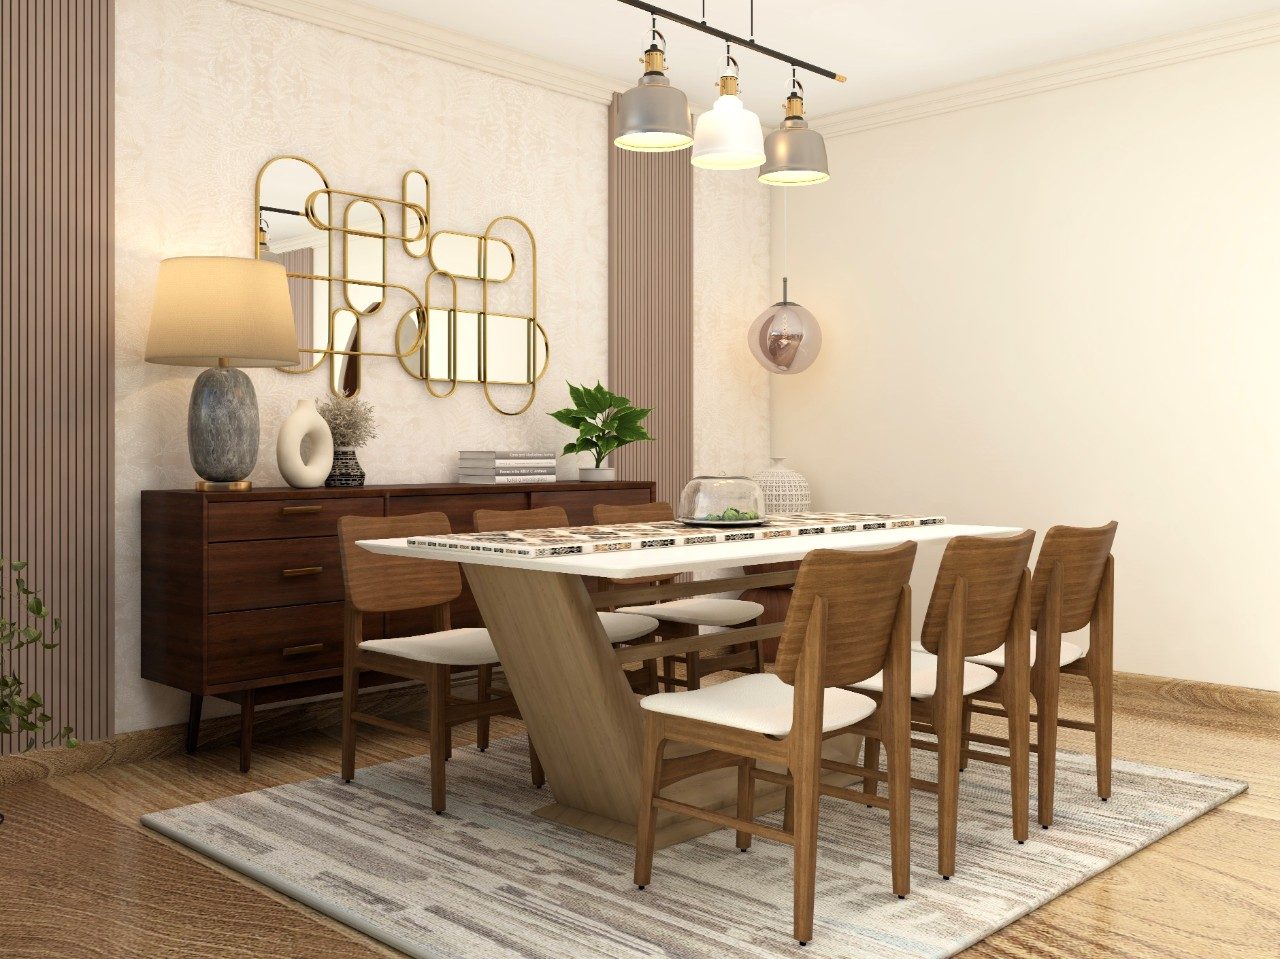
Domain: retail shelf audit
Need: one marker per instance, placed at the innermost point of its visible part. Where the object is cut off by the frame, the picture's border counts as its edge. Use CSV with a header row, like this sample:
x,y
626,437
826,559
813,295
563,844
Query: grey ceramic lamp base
x,y
222,428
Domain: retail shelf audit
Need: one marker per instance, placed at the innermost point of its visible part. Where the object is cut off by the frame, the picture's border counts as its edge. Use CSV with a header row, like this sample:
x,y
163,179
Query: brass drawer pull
x,y
294,510
303,650
303,571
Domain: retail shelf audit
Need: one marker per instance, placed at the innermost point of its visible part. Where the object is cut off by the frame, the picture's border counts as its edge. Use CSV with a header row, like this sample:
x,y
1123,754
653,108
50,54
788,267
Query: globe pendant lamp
x,y
728,136
786,337
794,154
653,116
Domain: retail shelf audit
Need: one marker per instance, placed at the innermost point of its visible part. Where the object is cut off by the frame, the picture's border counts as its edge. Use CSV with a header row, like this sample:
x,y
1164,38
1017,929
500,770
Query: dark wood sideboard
x,y
242,592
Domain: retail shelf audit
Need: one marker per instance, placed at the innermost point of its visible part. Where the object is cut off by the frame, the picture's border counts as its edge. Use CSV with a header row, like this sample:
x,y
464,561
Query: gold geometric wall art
x,y
437,339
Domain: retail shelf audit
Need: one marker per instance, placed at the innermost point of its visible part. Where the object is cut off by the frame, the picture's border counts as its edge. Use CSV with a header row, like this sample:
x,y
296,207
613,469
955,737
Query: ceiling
x,y
887,48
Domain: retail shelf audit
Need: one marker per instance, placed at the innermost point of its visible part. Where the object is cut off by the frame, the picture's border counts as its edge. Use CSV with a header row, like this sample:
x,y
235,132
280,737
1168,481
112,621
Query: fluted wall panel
x,y
57,344
651,307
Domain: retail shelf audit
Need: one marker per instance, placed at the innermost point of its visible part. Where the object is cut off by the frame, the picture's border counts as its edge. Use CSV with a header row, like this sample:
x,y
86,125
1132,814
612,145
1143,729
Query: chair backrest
x,y
1082,553
506,520
992,568
606,513
862,589
378,583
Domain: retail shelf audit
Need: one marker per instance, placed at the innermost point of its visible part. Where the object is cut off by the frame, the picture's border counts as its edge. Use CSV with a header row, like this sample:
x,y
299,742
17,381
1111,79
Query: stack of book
x,y
506,466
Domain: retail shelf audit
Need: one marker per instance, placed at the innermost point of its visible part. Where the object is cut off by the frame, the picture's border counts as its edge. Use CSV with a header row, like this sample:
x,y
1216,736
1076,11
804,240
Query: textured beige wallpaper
x,y
208,90
730,288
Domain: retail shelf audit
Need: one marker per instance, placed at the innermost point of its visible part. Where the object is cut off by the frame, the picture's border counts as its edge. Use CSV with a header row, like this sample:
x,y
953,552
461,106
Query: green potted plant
x,y
605,422
22,616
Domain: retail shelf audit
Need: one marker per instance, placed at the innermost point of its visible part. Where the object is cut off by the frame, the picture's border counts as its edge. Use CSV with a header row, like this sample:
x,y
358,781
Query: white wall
x,y
208,90
1066,309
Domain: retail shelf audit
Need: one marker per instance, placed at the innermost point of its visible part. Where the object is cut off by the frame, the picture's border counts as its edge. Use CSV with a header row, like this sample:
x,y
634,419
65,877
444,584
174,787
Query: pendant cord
x,y
785,241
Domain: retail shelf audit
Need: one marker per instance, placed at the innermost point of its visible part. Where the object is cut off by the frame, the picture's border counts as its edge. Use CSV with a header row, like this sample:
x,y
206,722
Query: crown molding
x,y
1118,61
407,33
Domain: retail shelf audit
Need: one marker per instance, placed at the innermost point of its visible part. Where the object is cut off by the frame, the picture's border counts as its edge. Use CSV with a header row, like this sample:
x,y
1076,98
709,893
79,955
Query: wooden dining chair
x,y
1073,587
980,603
620,628
850,618
685,617
376,583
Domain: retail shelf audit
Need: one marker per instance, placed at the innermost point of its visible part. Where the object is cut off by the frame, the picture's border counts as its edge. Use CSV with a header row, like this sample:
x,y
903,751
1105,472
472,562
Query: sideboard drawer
x,y
459,508
278,642
579,504
284,518
279,572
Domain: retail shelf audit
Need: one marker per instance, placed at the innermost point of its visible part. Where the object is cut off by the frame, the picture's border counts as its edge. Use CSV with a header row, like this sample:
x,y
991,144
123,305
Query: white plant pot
x,y
597,474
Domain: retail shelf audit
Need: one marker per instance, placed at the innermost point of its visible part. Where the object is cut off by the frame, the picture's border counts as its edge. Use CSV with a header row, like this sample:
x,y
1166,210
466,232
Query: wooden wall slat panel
x,y
57,343
651,307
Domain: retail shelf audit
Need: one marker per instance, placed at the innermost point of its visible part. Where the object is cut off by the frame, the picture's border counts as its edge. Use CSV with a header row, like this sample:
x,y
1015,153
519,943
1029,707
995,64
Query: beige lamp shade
x,y
222,311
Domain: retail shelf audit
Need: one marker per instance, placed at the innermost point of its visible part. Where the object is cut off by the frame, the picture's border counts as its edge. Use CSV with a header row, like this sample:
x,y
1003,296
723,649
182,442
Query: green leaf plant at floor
x,y
605,421
24,621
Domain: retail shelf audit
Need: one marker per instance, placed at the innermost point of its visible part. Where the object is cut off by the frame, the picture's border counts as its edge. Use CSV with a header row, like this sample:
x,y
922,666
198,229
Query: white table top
x,y
680,559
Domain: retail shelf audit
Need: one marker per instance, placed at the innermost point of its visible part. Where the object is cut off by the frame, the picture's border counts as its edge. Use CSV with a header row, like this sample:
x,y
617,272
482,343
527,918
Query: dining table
x,y
569,682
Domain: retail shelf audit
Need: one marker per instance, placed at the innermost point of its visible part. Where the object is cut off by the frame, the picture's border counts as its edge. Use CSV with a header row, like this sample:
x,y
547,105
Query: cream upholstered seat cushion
x,y
758,703
621,627
1070,653
701,611
924,677
450,647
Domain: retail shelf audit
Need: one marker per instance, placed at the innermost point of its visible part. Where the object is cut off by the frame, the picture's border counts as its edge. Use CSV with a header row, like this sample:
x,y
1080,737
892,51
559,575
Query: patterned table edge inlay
x,y
620,537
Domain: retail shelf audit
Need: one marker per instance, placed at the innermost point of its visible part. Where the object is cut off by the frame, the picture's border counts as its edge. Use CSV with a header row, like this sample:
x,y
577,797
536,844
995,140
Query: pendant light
x,y
728,136
786,337
794,154
653,116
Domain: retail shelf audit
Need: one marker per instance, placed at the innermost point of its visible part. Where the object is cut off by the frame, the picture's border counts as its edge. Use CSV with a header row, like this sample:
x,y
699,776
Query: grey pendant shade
x,y
794,155
653,116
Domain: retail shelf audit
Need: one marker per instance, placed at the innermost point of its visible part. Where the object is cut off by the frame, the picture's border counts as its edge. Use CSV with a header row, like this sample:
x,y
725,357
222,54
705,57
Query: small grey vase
x,y
346,471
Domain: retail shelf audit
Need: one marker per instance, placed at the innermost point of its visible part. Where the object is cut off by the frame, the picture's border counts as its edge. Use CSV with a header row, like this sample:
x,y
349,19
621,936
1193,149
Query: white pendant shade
x,y
728,137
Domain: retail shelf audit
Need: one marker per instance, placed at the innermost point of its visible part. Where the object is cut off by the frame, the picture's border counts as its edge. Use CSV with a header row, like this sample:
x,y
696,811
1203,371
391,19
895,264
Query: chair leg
x,y
647,821
693,670
651,676
1019,708
871,759
535,768
439,693
966,724
448,688
805,840
789,809
484,679
946,723
898,760
1102,714
669,674
1046,745
746,801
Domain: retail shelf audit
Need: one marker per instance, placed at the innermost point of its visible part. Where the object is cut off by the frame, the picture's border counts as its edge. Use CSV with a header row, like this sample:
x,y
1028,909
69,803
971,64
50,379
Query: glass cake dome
x,y
721,501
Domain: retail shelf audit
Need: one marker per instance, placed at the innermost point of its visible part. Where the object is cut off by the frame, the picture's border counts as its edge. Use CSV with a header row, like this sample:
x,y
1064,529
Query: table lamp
x,y
222,312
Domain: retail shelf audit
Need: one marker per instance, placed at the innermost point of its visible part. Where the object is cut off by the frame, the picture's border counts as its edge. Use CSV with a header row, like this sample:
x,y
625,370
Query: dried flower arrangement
x,y
350,420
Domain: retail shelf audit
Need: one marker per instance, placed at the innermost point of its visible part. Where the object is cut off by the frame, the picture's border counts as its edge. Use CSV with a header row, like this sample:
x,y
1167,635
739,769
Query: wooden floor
x,y
81,878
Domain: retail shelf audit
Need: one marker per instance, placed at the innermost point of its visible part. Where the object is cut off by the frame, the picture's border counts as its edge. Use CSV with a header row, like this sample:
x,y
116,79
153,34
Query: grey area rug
x,y
490,880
